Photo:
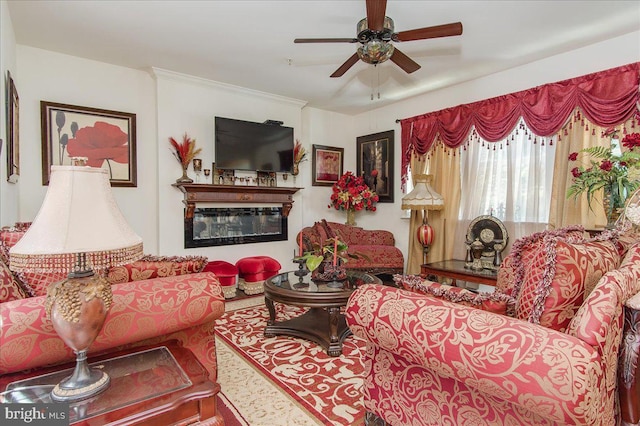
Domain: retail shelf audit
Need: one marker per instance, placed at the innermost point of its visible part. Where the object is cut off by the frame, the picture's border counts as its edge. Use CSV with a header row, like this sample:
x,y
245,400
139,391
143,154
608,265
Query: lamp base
x,y
84,383
78,307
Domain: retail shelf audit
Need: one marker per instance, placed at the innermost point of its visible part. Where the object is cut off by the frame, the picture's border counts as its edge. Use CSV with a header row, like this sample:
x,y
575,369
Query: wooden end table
x,y
324,322
455,269
152,386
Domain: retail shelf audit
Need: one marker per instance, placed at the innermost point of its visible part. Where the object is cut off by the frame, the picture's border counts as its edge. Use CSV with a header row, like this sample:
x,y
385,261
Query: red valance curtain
x,y
606,98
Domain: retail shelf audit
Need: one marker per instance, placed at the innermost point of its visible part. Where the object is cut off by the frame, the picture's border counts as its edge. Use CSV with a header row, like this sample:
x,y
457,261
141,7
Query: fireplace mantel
x,y
207,193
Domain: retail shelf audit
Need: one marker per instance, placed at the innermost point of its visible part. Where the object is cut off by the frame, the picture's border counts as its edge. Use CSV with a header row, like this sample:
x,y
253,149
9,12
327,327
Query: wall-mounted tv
x,y
245,145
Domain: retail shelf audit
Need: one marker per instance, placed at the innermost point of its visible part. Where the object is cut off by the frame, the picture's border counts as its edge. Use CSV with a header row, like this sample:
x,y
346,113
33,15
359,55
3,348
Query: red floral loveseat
x,y
544,349
155,300
377,250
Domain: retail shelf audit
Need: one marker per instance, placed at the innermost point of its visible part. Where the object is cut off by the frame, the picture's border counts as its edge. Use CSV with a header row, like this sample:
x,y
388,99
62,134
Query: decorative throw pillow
x,y
9,236
38,283
149,267
496,302
10,288
561,278
525,263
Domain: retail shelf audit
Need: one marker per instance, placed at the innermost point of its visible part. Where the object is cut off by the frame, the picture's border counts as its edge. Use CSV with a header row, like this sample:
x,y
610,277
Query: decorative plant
x,y
334,248
299,155
351,192
611,169
185,151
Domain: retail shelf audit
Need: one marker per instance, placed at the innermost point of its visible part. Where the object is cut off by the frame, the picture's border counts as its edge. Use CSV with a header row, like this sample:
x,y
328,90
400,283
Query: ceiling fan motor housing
x,y
375,47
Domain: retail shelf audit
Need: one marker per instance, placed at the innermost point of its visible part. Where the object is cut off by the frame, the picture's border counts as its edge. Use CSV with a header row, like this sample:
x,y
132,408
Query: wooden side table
x,y
455,270
158,385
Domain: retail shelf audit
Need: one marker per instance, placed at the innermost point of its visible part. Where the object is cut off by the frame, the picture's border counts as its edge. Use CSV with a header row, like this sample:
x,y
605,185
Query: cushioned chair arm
x,y
141,310
515,360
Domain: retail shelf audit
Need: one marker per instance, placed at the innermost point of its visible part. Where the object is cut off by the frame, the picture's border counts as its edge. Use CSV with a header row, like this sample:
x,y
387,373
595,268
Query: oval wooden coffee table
x,y
324,322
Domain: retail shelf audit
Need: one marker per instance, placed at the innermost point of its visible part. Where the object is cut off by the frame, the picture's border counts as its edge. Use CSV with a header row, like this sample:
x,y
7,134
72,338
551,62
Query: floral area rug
x,y
283,380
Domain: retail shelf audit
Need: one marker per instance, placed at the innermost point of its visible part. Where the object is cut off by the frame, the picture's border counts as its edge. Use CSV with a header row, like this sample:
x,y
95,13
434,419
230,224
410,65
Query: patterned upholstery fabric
x,y
149,267
433,362
143,312
10,288
376,248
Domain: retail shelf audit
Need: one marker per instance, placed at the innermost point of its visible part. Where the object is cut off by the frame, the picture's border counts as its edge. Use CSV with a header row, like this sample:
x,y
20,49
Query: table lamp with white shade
x,y
423,198
80,230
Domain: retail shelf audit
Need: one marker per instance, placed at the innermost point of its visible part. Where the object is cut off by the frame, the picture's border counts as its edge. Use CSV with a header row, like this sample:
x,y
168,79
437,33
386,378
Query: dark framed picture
x,y
327,164
13,131
106,138
375,163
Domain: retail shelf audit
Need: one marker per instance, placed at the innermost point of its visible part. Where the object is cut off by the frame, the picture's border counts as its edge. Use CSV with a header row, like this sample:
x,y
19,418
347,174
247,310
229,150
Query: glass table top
x,y
134,377
291,281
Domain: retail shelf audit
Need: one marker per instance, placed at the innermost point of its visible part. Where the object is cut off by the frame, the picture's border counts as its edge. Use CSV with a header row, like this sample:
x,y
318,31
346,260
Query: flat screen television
x,y
245,145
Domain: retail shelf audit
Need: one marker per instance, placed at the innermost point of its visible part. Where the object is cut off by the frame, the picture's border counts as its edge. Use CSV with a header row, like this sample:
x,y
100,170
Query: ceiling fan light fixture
x,y
375,51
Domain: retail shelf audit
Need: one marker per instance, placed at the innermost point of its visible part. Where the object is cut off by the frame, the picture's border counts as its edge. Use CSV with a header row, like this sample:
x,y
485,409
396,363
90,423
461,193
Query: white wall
x,y
9,209
54,77
597,57
189,104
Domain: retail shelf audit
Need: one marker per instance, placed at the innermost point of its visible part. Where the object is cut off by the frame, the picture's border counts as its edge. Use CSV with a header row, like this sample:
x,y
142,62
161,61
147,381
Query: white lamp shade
x,y
79,215
423,196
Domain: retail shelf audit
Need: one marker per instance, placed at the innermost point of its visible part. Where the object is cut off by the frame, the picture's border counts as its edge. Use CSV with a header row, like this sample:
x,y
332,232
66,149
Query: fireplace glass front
x,y
227,226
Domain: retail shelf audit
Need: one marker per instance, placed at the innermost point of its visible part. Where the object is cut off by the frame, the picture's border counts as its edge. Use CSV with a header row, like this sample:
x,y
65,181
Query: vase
x,y
184,178
351,217
327,271
613,204
296,169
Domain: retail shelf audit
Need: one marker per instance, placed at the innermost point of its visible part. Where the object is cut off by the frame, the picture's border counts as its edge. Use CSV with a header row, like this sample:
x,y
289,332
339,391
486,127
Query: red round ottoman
x,y
227,275
254,270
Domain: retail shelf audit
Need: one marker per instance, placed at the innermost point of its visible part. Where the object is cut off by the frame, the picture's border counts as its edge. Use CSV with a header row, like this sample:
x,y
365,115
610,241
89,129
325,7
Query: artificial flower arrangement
x,y
615,171
299,155
351,192
185,151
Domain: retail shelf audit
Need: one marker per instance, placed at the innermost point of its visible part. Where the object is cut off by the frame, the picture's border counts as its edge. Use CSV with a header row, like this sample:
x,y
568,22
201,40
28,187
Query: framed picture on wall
x,y
375,163
107,138
327,164
13,131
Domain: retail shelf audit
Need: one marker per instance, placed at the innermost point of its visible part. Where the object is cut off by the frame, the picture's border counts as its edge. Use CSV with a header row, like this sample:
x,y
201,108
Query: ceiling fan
x,y
375,34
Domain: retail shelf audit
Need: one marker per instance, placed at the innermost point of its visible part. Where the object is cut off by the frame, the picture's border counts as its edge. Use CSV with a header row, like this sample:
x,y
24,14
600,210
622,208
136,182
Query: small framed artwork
x,y
327,164
13,131
375,163
225,177
106,138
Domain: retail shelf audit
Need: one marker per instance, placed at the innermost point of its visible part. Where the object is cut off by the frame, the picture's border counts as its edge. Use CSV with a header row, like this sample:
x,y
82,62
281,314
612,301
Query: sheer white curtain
x,y
510,180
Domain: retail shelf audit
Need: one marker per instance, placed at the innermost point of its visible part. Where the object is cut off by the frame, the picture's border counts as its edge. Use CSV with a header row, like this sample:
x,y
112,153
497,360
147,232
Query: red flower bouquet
x,y
350,192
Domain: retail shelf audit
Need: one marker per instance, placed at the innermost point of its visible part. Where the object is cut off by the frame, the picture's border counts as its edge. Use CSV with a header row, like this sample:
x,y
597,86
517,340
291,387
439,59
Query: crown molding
x,y
159,73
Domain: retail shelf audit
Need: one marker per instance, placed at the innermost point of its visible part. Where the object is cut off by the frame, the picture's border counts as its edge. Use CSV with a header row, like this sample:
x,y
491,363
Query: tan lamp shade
x,y
79,215
423,196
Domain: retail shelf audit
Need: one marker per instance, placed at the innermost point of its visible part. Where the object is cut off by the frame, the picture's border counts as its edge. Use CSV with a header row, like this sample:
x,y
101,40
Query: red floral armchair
x,y
376,248
155,300
544,350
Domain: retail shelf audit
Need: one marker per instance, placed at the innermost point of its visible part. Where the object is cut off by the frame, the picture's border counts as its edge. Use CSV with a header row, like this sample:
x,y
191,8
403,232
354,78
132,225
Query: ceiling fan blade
x,y
446,30
345,67
375,14
404,62
325,40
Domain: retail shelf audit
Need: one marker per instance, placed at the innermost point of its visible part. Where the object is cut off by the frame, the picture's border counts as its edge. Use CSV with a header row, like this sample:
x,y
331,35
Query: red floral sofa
x,y
377,250
155,300
542,350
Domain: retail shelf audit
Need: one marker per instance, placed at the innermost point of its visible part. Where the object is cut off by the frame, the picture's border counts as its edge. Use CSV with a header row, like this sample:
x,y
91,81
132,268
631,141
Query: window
x,y
510,180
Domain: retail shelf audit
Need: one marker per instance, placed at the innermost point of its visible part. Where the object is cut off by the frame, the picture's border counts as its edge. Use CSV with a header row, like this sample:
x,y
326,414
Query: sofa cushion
x,y
525,251
380,257
10,288
156,266
560,277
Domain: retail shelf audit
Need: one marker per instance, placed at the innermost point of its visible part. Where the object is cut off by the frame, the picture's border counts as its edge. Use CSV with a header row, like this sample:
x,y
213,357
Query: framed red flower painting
x,y
106,138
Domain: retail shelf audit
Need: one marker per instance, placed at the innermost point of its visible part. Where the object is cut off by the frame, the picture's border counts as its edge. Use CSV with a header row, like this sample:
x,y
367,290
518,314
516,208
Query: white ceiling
x,y
250,43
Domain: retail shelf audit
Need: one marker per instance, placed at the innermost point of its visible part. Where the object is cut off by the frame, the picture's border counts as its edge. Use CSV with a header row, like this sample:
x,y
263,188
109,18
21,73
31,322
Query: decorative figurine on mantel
x,y
185,152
